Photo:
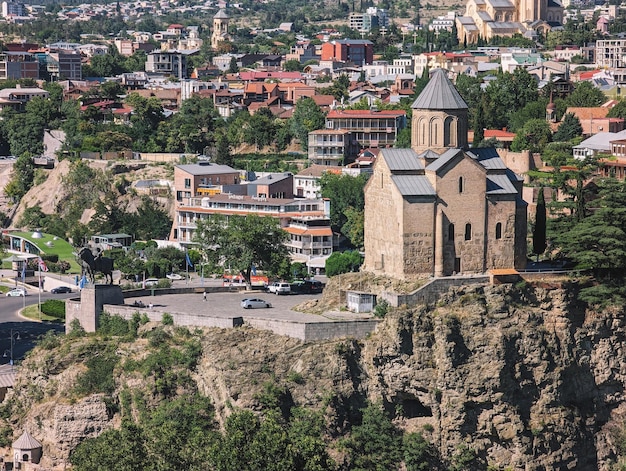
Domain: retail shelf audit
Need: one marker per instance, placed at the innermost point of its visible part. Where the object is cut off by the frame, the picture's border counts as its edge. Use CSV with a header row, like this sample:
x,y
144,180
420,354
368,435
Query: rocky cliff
x,y
523,375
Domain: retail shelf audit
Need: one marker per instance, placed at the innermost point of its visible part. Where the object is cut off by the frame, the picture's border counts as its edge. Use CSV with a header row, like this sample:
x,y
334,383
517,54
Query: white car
x,y
254,303
173,276
148,282
17,292
279,287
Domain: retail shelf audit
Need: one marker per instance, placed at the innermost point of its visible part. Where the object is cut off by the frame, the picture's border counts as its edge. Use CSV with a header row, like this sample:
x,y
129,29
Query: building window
x,y
187,182
468,231
499,230
451,232
461,184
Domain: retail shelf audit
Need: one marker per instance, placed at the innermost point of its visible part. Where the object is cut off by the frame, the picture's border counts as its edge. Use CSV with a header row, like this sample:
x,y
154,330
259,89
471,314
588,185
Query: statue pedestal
x,y
92,300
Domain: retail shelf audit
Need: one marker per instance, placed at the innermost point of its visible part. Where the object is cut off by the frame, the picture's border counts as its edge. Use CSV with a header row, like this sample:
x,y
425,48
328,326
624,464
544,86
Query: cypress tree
x,y
539,232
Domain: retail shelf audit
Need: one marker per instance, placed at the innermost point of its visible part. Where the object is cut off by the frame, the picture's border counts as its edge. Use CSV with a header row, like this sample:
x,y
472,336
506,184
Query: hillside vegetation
x,y
506,377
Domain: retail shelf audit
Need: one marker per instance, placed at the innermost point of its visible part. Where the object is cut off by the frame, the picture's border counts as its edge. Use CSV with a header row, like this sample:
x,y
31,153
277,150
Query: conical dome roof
x,y
439,94
221,15
26,442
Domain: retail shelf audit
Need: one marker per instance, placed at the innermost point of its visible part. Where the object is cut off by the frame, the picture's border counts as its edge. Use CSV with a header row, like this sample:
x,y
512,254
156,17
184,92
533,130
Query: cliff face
x,y
522,376
526,378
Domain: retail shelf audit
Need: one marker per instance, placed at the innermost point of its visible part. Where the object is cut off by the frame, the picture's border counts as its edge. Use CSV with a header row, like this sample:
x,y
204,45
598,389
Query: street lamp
x,y
15,335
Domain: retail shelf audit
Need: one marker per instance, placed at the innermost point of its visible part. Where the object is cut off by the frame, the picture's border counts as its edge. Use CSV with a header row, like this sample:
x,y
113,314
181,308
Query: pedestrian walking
x,y
204,295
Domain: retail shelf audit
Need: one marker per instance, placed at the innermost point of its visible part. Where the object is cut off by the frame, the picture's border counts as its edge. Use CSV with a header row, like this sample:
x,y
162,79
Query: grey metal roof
x,y
439,94
488,157
502,4
26,442
429,154
272,178
443,159
197,169
401,159
413,185
483,15
221,15
465,20
500,185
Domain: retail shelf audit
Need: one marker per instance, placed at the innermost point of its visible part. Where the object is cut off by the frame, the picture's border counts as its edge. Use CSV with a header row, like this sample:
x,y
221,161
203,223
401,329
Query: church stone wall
x,y
419,236
501,252
382,223
461,208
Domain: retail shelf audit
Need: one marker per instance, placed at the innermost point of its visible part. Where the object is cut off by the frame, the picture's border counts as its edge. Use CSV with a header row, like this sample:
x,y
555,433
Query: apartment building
x,y
611,54
18,65
16,98
356,51
307,221
369,128
170,62
192,180
334,147
64,65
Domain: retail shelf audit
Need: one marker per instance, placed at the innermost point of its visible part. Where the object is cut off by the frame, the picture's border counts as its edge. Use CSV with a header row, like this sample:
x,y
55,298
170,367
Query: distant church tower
x,y
220,28
439,116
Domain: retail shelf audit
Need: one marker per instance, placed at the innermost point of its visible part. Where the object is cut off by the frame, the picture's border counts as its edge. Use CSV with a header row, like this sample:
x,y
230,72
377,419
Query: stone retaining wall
x,y
306,331
431,291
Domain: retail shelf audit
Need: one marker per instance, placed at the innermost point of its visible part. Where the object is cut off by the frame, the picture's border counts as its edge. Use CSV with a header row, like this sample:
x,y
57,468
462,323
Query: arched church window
x,y
468,231
499,230
451,232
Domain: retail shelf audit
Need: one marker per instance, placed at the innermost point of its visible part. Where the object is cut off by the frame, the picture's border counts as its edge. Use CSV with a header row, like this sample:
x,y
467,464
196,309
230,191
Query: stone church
x,y
488,18
440,208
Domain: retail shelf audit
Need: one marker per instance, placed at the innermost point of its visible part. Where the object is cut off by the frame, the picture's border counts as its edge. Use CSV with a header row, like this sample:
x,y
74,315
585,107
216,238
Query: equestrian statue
x,y
91,264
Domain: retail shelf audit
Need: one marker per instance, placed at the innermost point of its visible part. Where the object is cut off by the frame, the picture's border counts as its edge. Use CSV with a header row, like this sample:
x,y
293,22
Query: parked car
x,y
61,290
148,282
17,292
173,276
254,303
307,287
279,287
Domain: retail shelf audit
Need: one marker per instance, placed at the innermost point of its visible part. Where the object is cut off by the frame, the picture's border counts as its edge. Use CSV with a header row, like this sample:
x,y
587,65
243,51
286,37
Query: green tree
x,y
260,129
375,444
533,136
21,178
419,455
343,262
242,242
585,95
307,116
345,191
539,230
508,93
293,65
569,128
618,111
122,449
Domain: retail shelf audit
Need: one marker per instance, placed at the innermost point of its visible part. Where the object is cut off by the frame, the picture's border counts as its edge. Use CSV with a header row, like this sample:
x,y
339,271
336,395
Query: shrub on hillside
x,y
54,308
343,262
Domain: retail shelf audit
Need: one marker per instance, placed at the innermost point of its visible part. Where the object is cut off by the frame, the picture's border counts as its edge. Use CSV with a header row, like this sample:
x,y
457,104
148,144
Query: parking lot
x,y
229,305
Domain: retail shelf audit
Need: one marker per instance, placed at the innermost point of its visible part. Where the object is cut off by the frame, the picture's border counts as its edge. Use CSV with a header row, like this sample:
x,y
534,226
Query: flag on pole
x,y
42,265
83,282
23,271
188,260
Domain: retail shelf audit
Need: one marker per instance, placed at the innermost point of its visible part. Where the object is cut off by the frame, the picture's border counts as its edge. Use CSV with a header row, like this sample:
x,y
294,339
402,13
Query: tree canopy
x,y
243,243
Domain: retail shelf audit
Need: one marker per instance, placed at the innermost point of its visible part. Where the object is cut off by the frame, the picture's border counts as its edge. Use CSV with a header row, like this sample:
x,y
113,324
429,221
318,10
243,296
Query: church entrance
x,y
457,265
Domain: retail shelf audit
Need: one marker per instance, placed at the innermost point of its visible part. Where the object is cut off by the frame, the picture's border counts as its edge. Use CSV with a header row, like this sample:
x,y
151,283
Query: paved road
x,y
25,332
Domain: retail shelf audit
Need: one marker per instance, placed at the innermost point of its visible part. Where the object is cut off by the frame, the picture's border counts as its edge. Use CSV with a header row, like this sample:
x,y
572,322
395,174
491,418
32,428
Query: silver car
x,y
17,292
254,303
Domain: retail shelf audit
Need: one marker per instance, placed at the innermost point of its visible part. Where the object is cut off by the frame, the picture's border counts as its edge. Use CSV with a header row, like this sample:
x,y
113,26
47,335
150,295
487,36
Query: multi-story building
x,y
191,180
16,98
332,147
611,54
18,65
356,51
64,65
445,22
307,221
171,62
371,19
306,184
10,9
369,128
